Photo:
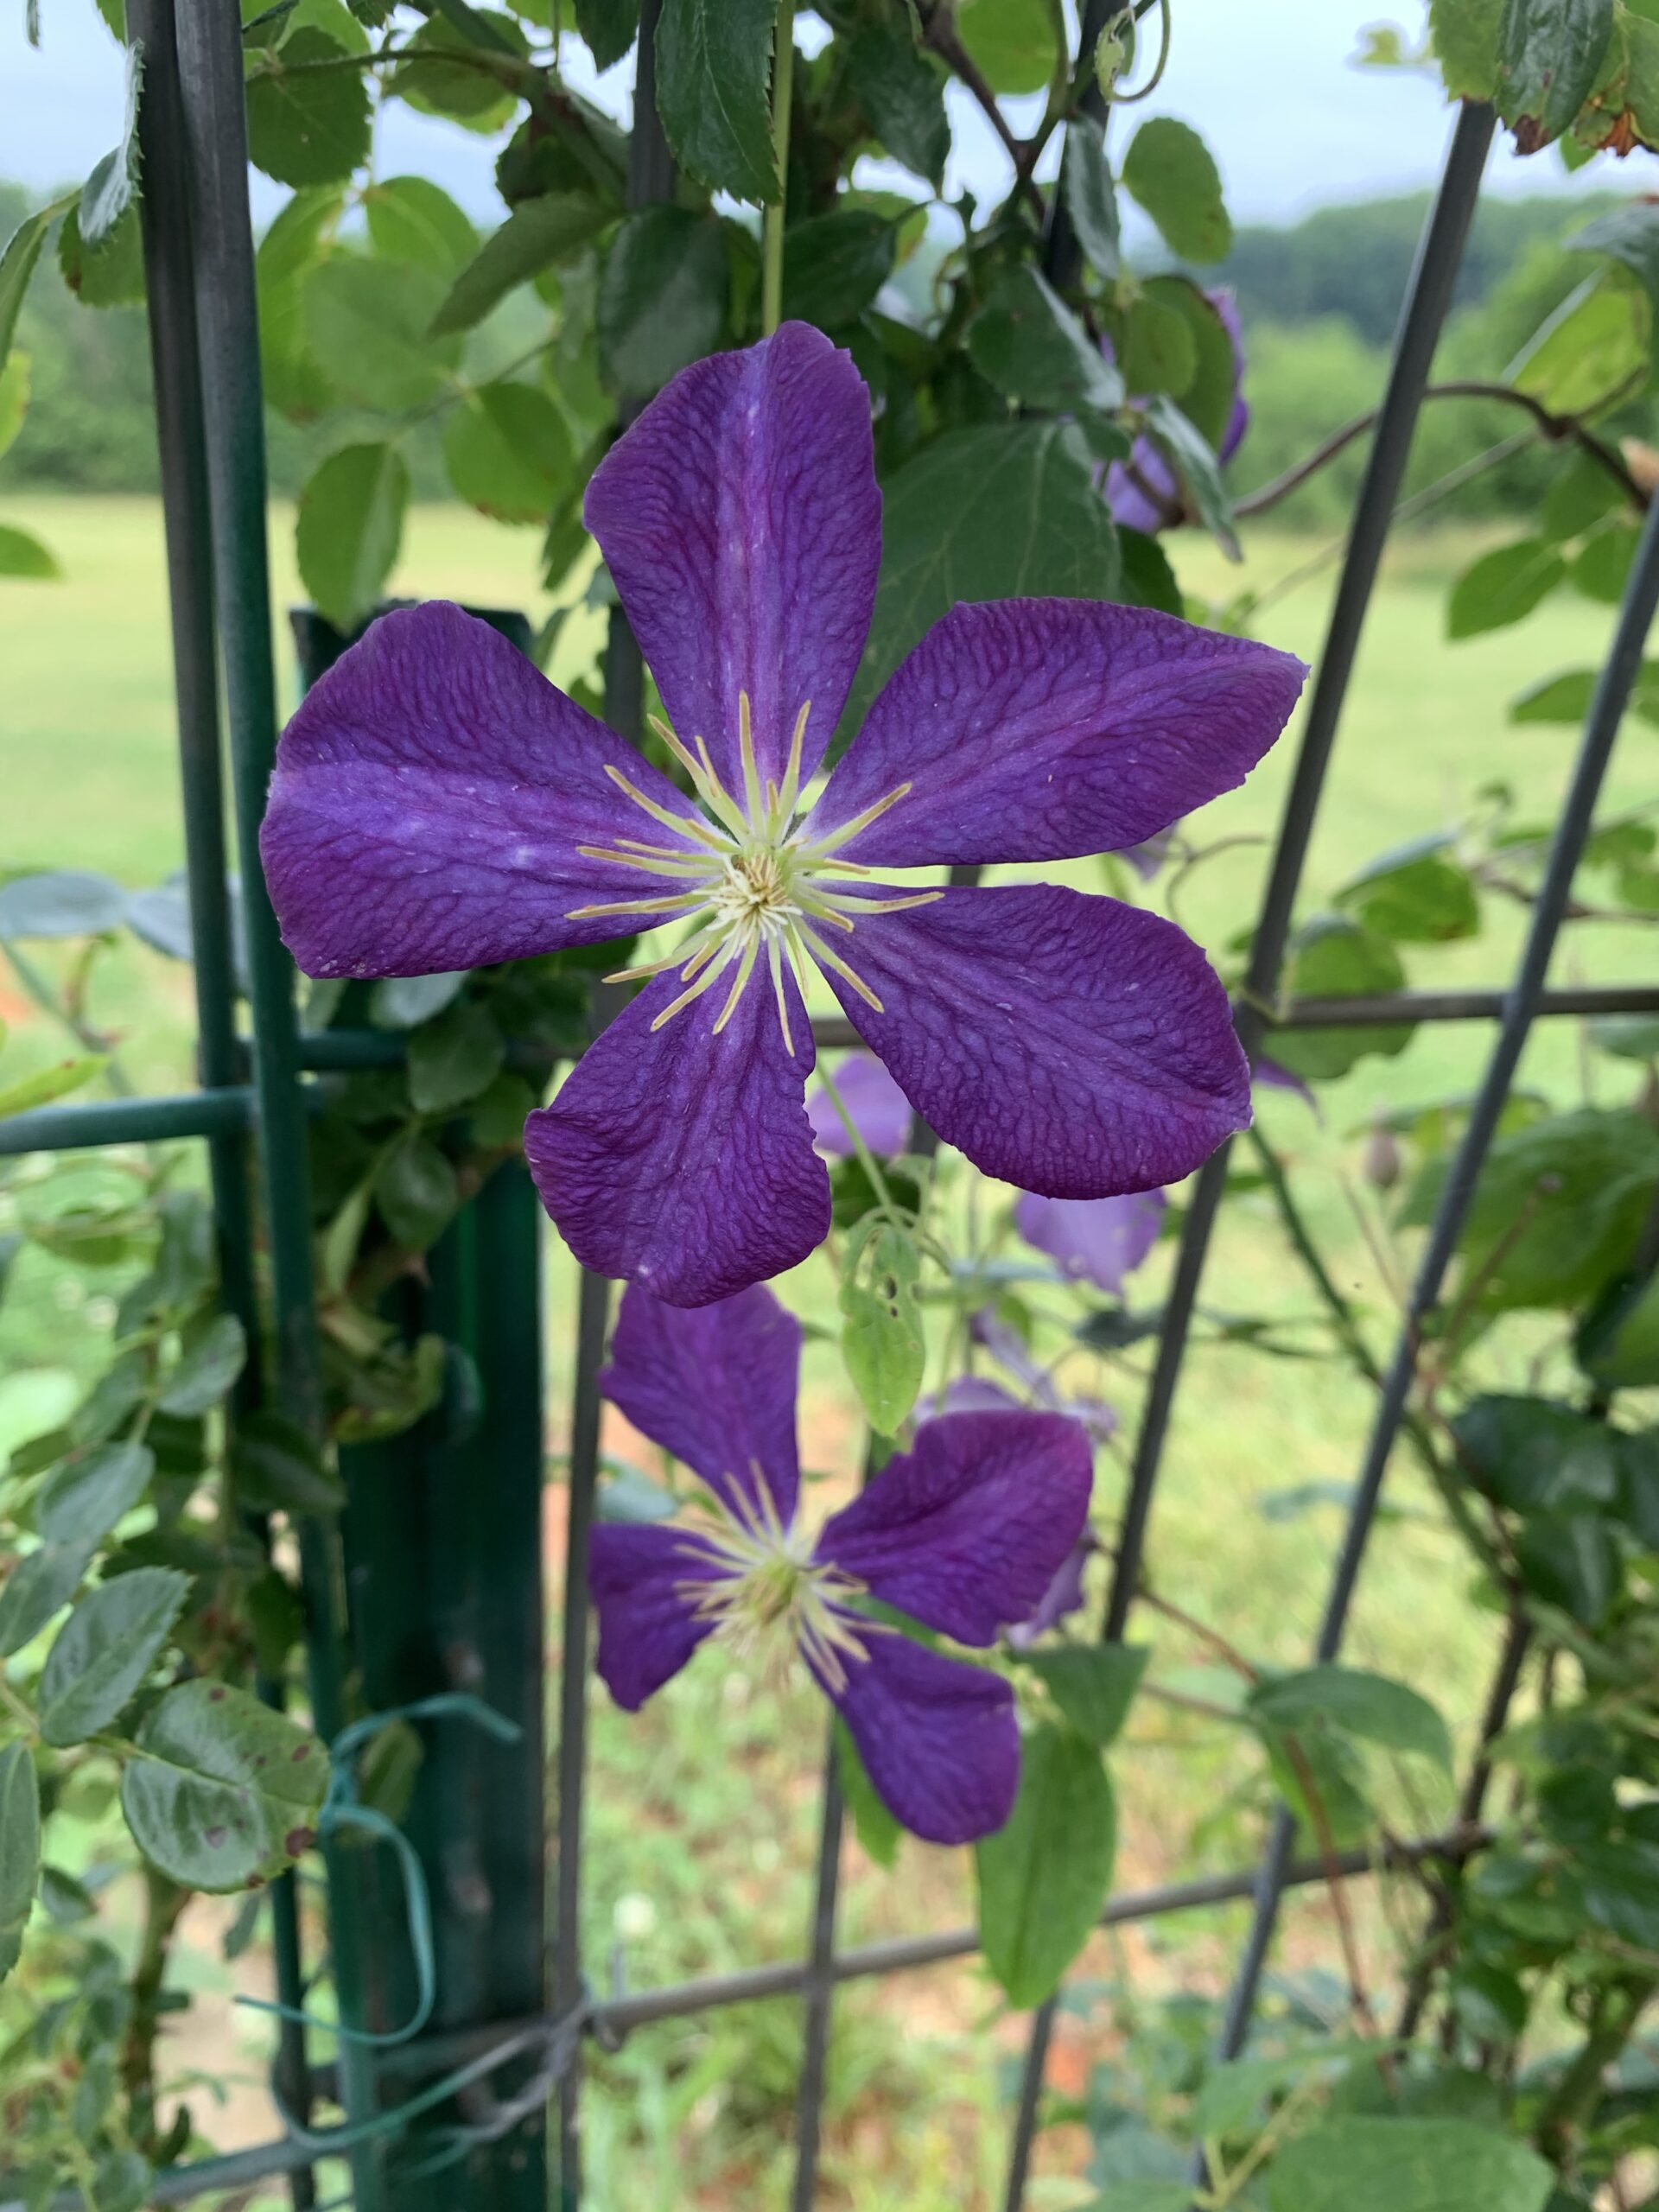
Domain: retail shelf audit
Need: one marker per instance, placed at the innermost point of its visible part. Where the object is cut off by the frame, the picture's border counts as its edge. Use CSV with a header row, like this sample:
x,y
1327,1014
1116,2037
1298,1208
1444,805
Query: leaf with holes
x,y
104,1649
882,1342
220,1790
1045,1876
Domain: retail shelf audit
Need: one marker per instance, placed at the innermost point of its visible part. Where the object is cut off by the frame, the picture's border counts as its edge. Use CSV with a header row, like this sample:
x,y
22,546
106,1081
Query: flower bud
x,y
1380,1164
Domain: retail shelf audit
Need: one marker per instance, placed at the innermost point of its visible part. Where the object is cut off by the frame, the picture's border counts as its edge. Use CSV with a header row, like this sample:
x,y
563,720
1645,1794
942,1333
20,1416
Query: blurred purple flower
x,y
1093,1240
964,1533
1144,492
438,805
879,1110
1064,1595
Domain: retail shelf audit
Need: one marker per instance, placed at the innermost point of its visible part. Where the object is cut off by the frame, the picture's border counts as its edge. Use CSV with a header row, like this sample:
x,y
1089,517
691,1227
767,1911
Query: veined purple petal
x,y
716,1386
965,1531
742,525
683,1161
1272,1077
429,800
1039,730
648,1627
1093,1240
938,1737
1063,1597
880,1110
1074,1046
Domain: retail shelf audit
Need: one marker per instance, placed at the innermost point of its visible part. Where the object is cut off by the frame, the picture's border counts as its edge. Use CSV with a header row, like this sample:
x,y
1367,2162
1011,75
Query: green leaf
x,y
1148,579
1592,350
662,298
83,1499
1004,511
835,265
1572,1561
121,2181
1531,1454
1621,1889
883,1341
1093,1684
109,275
1208,396
477,97
1184,448
1548,54
104,1649
411,219
296,243
1601,567
878,1831
17,260
113,188
14,399
1583,493
1028,343
349,529
1090,197
607,28
20,1850
1044,1877
48,1084
1417,895
277,1468
1012,41
1502,586
208,1367
1330,956
22,554
309,125
1465,41
901,92
416,1193
38,1588
1364,1704
1171,172
372,330
221,1791
1353,2165
508,453
1631,234
538,234
277,1620
714,80
405,1002
454,1057
1158,352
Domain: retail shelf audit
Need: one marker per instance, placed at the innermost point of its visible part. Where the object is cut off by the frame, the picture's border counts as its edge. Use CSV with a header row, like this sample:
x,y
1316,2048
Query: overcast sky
x,y
1270,85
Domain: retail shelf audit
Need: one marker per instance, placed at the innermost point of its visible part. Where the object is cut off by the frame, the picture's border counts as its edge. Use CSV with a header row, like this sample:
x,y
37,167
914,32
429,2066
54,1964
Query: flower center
x,y
770,1599
757,885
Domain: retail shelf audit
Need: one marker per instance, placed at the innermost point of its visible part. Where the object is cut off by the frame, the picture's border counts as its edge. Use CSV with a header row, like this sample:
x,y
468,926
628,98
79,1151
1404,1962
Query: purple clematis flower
x,y
964,1533
1093,1240
436,805
1144,492
879,1110
1063,1597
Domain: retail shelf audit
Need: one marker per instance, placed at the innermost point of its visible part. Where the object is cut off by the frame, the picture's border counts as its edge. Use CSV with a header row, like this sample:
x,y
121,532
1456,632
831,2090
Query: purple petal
x,y
1063,1597
1272,1077
683,1161
647,1628
743,528
880,1110
965,1531
716,1386
1007,1347
1071,1046
1094,1240
968,1394
428,802
938,1737
1039,730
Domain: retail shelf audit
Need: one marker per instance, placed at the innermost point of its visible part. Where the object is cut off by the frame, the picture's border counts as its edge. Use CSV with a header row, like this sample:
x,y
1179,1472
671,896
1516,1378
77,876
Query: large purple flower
x,y
964,1534
1144,492
437,806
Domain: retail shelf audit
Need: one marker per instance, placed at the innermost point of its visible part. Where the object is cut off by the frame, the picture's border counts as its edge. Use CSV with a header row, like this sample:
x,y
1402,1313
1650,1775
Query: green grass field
x,y
703,1808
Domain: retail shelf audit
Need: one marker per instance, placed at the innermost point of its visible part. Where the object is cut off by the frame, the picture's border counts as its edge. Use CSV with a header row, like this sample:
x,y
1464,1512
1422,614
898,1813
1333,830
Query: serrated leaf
x,y
1045,1876
84,1498
104,1649
416,1193
1090,197
20,1850
369,329
1465,43
507,453
1187,452
901,92
37,1587
410,219
1549,53
1092,1684
308,125
113,188
211,1366
1171,171
835,265
662,298
1368,1706
538,234
607,28
1028,343
349,530
221,1790
714,83
1353,2165
454,1059
477,97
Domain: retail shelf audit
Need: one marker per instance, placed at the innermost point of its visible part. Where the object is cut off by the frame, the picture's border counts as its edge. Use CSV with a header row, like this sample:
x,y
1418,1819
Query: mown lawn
x,y
702,1826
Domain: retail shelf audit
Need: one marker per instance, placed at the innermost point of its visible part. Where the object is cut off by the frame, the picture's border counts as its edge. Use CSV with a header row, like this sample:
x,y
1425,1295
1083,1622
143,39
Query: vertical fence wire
x,y
164,209
215,150
650,180
1428,296
1613,693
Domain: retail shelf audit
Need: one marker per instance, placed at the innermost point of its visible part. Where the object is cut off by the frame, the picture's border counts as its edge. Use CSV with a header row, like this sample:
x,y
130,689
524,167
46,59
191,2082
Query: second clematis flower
x,y
963,1534
437,804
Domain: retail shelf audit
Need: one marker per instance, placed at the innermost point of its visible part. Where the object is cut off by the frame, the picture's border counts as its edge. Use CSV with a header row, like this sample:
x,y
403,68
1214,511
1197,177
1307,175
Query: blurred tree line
x,y
1317,300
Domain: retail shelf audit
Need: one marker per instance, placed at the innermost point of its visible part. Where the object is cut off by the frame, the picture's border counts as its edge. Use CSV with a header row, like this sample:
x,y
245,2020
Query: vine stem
x,y
783,82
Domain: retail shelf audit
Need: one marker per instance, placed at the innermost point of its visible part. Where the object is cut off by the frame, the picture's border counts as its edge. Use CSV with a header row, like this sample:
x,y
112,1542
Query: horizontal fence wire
x,y
1428,297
